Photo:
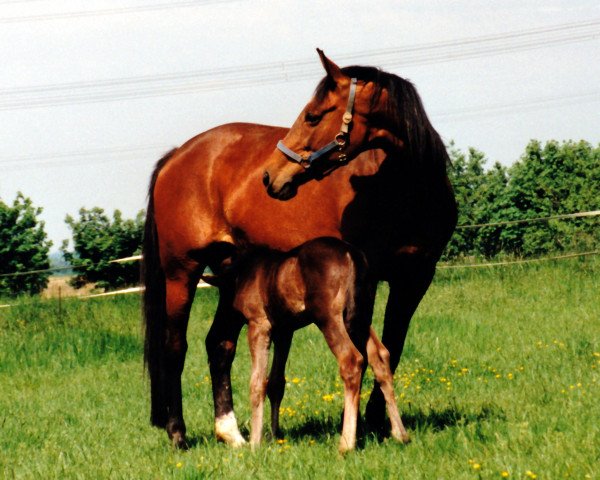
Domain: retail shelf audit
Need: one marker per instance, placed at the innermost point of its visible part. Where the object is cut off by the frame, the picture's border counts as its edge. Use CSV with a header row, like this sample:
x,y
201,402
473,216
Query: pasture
x,y
499,379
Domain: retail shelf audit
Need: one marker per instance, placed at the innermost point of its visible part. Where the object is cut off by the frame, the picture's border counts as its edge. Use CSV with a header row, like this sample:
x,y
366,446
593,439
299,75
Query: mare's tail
x,y
155,311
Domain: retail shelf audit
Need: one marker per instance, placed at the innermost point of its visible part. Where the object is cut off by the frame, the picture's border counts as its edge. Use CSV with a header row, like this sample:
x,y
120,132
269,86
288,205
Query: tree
x,y
548,180
24,247
551,180
473,195
98,240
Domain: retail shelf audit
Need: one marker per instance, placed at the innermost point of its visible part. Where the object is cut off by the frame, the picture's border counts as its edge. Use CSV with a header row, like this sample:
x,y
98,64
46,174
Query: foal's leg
x,y
259,339
276,386
351,362
406,291
379,359
221,343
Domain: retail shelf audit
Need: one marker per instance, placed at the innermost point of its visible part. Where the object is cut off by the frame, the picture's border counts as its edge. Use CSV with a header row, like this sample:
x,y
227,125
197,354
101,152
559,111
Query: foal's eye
x,y
312,118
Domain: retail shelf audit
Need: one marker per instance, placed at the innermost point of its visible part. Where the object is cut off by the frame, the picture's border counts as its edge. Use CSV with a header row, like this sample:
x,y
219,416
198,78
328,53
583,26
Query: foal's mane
x,y
404,115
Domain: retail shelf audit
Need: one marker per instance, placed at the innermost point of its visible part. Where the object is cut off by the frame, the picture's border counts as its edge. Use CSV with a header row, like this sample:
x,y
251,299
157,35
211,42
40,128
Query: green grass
x,y
500,374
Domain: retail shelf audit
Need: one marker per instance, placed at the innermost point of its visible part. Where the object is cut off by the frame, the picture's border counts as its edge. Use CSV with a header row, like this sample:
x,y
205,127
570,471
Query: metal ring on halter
x,y
339,142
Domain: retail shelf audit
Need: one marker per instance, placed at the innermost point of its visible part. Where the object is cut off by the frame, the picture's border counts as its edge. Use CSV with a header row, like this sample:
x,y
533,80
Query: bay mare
x,y
383,189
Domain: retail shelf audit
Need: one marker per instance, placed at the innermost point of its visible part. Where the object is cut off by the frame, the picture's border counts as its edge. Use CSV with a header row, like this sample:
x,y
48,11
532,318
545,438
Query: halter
x,y
339,142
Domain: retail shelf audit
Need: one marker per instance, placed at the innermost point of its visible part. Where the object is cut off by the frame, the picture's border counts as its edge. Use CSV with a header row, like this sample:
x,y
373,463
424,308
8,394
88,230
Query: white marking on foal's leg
x,y
227,431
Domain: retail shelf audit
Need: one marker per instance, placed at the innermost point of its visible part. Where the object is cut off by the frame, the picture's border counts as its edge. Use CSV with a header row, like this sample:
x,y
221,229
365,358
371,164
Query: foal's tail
x,y
155,312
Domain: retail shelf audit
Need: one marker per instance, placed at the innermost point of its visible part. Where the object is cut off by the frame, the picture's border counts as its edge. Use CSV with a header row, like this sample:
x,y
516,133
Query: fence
x,y
203,284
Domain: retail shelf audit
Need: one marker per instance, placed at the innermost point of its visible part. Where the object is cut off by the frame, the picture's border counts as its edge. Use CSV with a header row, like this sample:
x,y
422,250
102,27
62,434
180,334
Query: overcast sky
x,y
93,92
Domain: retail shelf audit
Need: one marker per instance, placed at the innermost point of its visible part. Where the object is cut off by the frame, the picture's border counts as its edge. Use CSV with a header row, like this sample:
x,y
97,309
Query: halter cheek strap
x,y
339,142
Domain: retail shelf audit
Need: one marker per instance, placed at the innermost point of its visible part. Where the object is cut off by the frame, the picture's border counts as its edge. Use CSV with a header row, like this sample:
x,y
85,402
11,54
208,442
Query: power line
x,y
519,107
74,157
279,72
117,153
109,11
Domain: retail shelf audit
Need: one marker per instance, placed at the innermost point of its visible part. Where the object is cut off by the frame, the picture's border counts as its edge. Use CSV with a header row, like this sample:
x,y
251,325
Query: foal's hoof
x,y
402,437
344,449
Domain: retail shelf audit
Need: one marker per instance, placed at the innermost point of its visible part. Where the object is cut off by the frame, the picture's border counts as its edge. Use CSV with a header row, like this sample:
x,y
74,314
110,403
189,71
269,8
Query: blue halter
x,y
339,142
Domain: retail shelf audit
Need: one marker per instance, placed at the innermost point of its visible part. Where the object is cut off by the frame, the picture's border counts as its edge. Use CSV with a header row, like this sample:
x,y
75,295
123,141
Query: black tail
x,y
155,312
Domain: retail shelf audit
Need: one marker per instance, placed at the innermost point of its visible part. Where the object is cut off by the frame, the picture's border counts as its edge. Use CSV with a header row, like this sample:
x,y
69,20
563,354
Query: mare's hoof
x,y
377,425
227,430
179,442
234,441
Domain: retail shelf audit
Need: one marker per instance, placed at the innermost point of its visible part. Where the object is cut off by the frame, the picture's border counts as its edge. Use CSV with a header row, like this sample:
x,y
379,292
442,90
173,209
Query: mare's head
x,y
353,109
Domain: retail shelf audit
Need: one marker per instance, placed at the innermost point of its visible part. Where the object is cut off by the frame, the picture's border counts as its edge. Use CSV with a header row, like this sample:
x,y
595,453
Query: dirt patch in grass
x,y
59,286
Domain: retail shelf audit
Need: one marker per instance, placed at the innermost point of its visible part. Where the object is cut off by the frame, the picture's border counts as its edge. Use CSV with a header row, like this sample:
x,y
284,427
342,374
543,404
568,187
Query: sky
x,y
93,93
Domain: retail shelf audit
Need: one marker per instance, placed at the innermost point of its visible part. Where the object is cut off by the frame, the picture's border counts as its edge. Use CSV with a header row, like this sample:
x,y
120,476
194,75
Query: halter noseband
x,y
339,142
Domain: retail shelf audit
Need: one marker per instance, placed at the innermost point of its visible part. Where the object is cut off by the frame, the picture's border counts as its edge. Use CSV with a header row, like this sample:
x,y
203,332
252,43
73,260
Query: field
x,y
499,380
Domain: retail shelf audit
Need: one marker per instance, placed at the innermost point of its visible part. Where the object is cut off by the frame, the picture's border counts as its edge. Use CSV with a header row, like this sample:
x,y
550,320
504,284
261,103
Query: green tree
x,y
553,179
473,195
24,247
97,240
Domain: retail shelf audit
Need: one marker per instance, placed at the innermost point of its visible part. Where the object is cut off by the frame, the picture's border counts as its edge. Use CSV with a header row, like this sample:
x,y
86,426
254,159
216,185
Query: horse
x,y
322,282
371,171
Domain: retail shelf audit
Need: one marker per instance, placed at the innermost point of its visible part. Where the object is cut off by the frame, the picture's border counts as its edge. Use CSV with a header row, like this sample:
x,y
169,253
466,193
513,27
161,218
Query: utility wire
x,y
518,107
109,11
117,153
280,72
74,157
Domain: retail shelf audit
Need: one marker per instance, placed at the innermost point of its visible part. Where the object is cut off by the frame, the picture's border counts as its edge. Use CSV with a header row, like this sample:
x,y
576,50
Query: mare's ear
x,y
334,73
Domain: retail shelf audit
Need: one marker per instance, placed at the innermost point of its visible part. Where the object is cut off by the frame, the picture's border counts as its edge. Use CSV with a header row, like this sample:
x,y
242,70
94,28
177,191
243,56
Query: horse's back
x,y
194,186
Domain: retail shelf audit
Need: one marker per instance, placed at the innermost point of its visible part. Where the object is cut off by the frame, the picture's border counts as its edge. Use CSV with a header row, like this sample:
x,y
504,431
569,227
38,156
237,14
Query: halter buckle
x,y
340,139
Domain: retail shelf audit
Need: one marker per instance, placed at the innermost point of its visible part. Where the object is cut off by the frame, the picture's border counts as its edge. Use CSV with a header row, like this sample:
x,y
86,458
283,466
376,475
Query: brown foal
x,y
323,281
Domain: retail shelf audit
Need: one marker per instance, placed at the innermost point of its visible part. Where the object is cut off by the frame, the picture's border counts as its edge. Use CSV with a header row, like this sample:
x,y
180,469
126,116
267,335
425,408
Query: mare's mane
x,y
404,115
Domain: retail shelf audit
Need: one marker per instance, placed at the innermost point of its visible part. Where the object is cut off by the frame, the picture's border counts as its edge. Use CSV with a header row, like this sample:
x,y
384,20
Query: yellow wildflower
x,y
504,474
530,474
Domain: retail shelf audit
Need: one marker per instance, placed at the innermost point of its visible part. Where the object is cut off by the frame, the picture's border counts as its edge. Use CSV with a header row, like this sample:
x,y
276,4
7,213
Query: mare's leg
x,y
221,343
406,291
379,359
259,339
180,290
351,362
275,388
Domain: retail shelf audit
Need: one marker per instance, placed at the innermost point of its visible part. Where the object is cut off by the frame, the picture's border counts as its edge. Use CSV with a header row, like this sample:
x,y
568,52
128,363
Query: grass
x,y
499,379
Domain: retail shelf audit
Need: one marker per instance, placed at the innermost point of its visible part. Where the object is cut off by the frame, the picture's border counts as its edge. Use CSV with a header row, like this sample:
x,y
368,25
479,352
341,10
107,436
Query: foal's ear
x,y
333,71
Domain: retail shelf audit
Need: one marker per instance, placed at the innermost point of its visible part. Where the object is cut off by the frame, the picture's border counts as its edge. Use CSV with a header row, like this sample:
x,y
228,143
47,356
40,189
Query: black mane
x,y
404,115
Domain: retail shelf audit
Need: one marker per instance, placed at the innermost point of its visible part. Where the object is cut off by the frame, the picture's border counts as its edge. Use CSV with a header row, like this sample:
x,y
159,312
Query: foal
x,y
322,282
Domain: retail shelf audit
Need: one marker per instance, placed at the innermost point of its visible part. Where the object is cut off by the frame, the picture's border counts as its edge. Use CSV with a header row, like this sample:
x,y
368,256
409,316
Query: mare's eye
x,y
312,118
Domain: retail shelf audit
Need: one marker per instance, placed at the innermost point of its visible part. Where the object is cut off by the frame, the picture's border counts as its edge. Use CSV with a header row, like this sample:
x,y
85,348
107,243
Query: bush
x,y
554,179
98,240
23,247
